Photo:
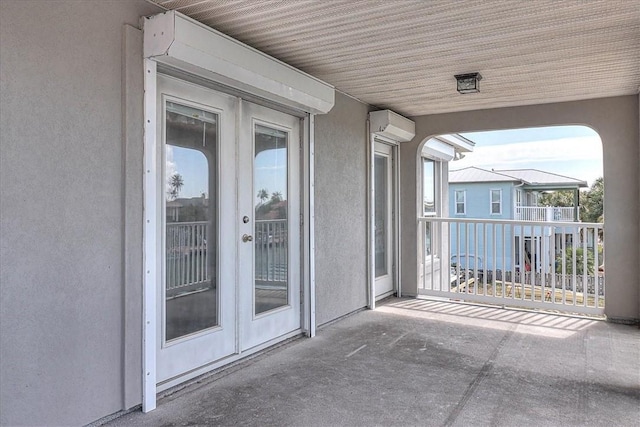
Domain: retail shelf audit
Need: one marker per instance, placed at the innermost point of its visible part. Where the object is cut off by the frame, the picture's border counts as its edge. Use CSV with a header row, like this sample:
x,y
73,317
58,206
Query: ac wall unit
x,y
392,125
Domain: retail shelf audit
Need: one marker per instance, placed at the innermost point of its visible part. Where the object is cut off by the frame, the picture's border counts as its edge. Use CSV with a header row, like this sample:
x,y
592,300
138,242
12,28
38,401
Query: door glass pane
x,y
381,239
271,284
191,297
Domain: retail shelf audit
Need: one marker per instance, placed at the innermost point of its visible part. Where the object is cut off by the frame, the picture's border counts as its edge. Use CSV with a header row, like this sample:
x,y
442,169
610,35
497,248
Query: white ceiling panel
x,y
403,55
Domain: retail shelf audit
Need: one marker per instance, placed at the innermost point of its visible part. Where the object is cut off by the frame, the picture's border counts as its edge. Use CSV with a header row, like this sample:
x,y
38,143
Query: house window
x,y
461,202
496,202
518,197
428,187
430,182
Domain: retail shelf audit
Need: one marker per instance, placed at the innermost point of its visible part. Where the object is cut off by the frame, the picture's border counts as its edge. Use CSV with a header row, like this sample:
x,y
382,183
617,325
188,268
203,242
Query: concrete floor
x,y
427,363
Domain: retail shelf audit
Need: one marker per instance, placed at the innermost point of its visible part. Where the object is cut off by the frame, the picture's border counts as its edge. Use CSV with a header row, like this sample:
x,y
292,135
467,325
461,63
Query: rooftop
x,y
527,177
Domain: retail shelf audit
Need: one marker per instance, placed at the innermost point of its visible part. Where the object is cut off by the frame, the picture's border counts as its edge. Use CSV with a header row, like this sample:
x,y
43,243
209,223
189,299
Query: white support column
x,y
150,236
309,228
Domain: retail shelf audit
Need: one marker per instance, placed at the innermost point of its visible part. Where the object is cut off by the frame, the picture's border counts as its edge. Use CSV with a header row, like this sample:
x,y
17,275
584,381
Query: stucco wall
x,y
341,209
616,120
63,169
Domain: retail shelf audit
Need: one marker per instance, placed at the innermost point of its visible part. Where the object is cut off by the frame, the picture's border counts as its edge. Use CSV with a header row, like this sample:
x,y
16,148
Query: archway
x,y
615,120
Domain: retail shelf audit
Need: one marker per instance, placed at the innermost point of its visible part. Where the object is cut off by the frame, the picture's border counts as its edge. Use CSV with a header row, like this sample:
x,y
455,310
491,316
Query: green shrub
x,y
579,255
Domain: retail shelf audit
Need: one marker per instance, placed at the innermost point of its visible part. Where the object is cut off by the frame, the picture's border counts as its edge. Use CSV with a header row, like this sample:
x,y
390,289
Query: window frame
x,y
491,202
436,183
463,202
431,249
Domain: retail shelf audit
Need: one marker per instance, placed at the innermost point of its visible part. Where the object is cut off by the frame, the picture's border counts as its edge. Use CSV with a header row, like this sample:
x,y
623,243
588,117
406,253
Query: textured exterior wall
x,y
63,169
616,121
341,209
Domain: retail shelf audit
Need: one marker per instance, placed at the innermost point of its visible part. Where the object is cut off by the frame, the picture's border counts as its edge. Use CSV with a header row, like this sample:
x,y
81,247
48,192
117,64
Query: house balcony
x,y
546,213
550,266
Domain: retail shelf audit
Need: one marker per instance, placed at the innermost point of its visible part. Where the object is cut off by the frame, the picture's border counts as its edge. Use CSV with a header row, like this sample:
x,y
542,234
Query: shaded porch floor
x,y
427,363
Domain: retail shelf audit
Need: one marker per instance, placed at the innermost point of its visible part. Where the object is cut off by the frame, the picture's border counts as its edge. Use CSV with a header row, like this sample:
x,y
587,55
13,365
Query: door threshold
x,y
385,295
177,383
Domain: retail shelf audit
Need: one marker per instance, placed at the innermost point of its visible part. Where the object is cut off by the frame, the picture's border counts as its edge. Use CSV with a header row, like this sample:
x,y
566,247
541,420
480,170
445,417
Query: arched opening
x,y
513,217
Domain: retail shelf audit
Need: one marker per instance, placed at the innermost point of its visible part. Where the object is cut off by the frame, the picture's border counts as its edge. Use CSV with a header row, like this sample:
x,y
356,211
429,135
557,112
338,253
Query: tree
x,y
562,198
579,255
175,185
263,195
593,202
276,197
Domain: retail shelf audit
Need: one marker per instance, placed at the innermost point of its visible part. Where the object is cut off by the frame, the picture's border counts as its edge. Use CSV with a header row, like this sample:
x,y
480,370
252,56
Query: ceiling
x,y
403,55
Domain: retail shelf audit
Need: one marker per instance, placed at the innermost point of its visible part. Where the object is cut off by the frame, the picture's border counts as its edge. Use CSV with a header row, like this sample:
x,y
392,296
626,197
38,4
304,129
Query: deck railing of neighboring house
x,y
187,259
551,265
271,250
545,213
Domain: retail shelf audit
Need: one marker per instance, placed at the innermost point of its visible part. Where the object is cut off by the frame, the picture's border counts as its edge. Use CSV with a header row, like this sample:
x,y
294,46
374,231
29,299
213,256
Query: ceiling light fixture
x,y
468,83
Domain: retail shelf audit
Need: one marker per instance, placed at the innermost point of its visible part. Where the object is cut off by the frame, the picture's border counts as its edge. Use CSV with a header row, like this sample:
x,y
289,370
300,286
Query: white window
x,y
518,197
461,202
430,185
496,202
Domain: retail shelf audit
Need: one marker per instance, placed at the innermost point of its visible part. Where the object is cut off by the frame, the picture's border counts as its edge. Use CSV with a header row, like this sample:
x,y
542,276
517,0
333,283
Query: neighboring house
x,y
510,195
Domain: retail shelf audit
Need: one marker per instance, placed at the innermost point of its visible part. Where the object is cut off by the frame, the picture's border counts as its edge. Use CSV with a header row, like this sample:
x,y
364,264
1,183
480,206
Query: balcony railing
x,y
545,213
551,265
187,266
187,259
271,250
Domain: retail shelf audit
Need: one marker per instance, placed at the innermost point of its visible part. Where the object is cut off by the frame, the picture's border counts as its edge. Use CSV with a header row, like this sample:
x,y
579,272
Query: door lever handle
x,y
247,238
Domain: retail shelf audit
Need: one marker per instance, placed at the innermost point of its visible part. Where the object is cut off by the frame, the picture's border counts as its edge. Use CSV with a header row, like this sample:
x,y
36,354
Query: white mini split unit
x,y
392,125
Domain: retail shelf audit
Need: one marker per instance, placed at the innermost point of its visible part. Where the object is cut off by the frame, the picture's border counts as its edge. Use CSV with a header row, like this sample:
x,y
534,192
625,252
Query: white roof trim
x,y
459,142
176,40
436,149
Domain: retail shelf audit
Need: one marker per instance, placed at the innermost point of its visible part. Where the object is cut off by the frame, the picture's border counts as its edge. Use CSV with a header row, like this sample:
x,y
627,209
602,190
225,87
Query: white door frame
x,y
395,207
152,222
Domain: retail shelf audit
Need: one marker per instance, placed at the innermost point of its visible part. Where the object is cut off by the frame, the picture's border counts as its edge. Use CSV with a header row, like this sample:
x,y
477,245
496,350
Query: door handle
x,y
247,238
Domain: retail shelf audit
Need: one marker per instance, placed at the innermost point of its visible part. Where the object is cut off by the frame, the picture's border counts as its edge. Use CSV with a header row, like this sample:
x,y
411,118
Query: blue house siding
x,y
499,247
478,199
478,205
471,253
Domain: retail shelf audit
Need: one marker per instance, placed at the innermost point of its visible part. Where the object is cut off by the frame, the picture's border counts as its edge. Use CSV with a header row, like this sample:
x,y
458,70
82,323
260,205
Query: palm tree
x,y
263,195
175,185
276,197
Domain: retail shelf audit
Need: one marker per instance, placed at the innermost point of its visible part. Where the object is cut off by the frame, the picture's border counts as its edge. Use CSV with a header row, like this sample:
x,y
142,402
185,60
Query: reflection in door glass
x,y
271,219
380,171
191,297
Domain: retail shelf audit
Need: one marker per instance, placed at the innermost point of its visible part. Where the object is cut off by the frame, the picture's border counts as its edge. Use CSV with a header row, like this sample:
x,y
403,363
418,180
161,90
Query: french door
x,y
230,229
384,217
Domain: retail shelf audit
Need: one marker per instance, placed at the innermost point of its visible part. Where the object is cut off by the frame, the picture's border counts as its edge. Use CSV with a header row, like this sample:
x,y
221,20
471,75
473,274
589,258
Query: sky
x,y
270,167
573,151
